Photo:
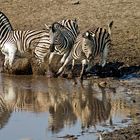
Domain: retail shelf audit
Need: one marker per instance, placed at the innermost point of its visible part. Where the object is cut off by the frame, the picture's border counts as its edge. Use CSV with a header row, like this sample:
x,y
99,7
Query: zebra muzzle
x,y
52,47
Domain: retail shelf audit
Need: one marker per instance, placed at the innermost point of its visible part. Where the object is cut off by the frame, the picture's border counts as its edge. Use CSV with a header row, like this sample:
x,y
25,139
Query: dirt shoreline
x,y
129,133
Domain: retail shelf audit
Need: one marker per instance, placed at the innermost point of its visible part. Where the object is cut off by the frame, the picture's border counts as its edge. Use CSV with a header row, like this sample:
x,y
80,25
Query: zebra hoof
x,y
56,75
81,78
61,62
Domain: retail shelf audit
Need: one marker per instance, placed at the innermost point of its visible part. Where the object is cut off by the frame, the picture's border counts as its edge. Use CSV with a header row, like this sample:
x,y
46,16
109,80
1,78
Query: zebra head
x,y
55,35
87,44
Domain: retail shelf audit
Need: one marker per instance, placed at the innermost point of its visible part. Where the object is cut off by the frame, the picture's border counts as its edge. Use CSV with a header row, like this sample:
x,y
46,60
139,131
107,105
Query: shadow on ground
x,y
116,70
112,69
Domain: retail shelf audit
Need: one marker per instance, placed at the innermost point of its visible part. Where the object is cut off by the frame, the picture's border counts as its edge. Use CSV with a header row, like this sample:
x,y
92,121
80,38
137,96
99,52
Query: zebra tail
x,y
110,27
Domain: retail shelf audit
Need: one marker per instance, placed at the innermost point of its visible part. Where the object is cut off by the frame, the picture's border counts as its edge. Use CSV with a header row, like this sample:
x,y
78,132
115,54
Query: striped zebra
x,y
88,45
17,42
41,50
62,38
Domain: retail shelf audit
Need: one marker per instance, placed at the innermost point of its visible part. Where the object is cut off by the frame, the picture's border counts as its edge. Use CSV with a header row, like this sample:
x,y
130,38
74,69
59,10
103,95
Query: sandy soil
x,y
125,14
33,14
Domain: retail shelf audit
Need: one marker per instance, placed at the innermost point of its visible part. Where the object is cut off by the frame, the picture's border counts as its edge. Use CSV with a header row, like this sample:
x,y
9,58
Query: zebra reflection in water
x,y
20,97
89,108
65,103
5,112
61,110
80,103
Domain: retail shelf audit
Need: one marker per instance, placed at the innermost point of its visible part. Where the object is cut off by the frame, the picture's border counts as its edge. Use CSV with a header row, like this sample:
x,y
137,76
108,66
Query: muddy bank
x,y
129,133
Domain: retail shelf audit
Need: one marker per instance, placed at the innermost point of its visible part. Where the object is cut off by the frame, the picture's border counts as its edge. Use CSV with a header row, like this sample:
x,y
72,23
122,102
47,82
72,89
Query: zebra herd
x,y
62,38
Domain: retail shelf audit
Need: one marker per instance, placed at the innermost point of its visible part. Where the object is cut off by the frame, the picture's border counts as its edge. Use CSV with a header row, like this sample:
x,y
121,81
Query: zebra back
x,y
5,27
71,25
27,40
77,52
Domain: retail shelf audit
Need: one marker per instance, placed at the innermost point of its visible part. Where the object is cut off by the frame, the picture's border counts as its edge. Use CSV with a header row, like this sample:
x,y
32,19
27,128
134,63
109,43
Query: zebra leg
x,y
73,63
11,58
9,51
72,68
6,61
90,65
64,58
84,62
104,56
6,58
69,58
72,71
51,57
12,52
40,61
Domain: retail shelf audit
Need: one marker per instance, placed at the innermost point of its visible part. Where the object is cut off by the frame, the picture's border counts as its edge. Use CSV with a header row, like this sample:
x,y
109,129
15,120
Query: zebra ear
x,y
53,27
93,35
48,26
86,34
75,20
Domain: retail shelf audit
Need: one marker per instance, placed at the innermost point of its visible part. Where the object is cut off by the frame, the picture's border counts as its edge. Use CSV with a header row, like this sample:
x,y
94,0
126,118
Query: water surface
x,y
37,108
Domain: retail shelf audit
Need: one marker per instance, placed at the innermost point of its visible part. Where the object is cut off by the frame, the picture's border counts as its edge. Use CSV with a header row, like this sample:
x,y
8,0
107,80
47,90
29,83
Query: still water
x,y
37,108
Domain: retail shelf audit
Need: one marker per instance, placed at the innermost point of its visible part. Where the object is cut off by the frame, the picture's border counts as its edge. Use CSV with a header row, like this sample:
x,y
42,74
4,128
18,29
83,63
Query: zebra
x,y
41,51
87,46
62,38
12,41
17,42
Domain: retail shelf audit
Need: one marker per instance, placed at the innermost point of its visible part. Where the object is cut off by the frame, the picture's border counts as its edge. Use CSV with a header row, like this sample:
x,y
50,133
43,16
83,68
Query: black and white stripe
x,y
62,38
88,45
5,28
14,42
41,49
19,42
99,40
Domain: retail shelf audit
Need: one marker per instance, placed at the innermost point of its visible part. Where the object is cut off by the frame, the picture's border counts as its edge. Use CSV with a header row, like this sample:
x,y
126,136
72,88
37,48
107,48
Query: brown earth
x,y
33,14
129,133
26,15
